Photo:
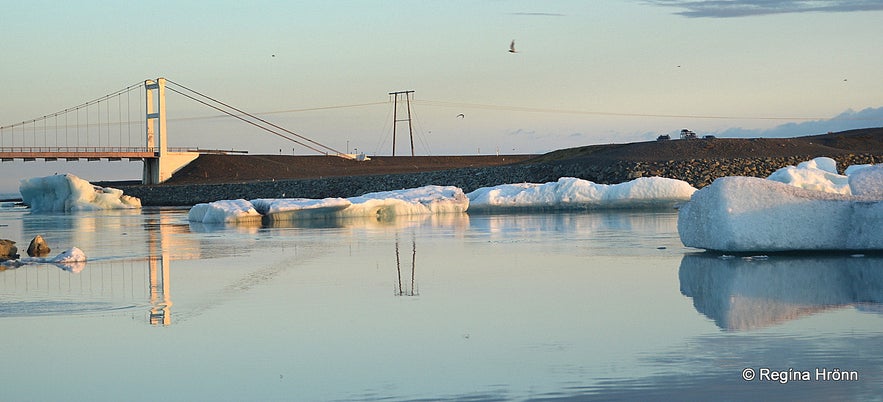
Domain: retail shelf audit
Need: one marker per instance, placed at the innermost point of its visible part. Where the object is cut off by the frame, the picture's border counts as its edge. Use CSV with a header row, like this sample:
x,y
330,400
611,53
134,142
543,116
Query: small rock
x,y
8,250
38,247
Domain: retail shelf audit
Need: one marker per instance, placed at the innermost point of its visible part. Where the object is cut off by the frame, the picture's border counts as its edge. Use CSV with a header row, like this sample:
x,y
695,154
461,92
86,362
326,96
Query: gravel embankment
x,y
697,172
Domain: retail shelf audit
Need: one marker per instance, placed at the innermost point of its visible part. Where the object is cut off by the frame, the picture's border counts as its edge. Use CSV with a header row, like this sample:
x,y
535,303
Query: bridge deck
x,y
76,153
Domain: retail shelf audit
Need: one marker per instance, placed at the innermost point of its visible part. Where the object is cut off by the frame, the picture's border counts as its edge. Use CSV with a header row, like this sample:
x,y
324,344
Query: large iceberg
x,y
66,192
747,214
574,193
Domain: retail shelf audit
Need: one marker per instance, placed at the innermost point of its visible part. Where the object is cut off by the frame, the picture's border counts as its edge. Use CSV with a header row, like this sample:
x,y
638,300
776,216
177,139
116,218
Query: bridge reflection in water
x,y
160,294
139,282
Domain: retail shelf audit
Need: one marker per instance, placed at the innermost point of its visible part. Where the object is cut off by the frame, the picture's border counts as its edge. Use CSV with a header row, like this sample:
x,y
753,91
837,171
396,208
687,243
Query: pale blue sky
x,y
587,72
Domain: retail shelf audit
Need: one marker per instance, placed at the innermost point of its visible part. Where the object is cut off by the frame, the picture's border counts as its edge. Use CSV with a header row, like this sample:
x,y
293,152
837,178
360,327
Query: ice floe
x,y
415,201
574,193
224,211
427,200
805,207
66,192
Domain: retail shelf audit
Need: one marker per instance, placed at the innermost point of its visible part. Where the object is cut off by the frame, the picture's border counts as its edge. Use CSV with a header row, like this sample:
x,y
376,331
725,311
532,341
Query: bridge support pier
x,y
160,168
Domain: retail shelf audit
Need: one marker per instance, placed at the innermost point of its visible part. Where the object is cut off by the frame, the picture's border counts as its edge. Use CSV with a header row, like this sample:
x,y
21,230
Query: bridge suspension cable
x,y
250,119
90,124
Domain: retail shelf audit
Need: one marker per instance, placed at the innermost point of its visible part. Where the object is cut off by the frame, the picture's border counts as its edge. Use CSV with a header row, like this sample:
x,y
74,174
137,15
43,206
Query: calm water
x,y
481,307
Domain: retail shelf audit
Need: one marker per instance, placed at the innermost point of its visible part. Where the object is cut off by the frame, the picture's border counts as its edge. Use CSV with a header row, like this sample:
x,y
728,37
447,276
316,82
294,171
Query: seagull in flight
x,y
512,47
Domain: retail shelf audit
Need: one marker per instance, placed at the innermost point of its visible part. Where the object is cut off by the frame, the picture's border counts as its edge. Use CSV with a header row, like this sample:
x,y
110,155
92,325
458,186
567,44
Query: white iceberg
x,y
573,193
287,209
866,181
746,214
818,174
224,211
66,192
428,200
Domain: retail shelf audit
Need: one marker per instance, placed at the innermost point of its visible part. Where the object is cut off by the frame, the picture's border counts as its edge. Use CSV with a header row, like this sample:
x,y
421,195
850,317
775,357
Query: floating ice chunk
x,y
746,214
286,209
569,192
224,211
72,259
66,192
819,174
72,254
416,201
867,181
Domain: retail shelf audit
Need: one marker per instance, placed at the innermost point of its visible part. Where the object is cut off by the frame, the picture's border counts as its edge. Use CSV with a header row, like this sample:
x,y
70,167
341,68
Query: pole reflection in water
x,y
407,287
160,294
747,293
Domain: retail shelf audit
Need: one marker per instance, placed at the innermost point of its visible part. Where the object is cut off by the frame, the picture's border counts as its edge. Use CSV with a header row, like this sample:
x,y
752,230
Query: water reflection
x,y
408,286
43,289
137,246
745,293
460,220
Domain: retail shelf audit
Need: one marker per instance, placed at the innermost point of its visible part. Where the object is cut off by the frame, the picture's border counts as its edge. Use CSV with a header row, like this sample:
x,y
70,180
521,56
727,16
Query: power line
x,y
599,113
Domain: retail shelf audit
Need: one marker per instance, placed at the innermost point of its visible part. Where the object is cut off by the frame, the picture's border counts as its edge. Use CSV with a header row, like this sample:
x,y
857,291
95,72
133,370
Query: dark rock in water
x,y
38,247
8,250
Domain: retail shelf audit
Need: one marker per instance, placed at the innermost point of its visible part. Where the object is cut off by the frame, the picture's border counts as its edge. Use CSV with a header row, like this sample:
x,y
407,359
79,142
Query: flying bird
x,y
461,115
512,47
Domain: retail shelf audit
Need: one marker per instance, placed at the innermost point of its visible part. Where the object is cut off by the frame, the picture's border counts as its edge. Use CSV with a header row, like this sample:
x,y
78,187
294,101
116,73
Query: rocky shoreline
x,y
697,172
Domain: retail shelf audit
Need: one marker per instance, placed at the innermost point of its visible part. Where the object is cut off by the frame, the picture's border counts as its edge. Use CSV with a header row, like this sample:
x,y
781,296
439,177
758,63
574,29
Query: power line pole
x,y
396,120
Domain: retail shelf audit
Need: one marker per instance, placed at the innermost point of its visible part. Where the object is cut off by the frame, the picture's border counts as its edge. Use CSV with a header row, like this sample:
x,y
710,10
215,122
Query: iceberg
x,y
574,193
747,214
66,192
286,209
866,181
803,207
818,174
416,201
224,211
428,200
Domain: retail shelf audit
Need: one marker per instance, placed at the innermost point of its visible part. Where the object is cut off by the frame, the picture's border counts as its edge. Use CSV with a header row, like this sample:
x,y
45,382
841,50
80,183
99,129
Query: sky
x,y
584,72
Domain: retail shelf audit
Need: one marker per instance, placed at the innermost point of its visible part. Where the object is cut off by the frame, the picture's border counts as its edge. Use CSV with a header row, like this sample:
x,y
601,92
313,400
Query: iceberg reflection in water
x,y
745,293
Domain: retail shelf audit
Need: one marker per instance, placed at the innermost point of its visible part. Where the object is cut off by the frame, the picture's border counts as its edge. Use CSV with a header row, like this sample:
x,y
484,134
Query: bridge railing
x,y
74,149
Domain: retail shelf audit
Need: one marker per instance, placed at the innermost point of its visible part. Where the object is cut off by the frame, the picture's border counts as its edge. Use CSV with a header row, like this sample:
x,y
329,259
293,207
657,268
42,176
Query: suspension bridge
x,y
127,124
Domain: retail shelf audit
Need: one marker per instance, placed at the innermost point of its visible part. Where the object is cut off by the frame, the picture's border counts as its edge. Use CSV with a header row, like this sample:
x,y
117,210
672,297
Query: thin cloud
x,y
733,8
540,14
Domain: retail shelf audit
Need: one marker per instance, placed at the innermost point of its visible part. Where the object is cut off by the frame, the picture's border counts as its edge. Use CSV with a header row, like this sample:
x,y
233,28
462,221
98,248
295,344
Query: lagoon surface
x,y
569,306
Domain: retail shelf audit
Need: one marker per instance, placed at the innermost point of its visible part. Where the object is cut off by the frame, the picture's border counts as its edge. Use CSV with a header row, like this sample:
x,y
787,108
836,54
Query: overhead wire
x,y
244,120
243,113
510,108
